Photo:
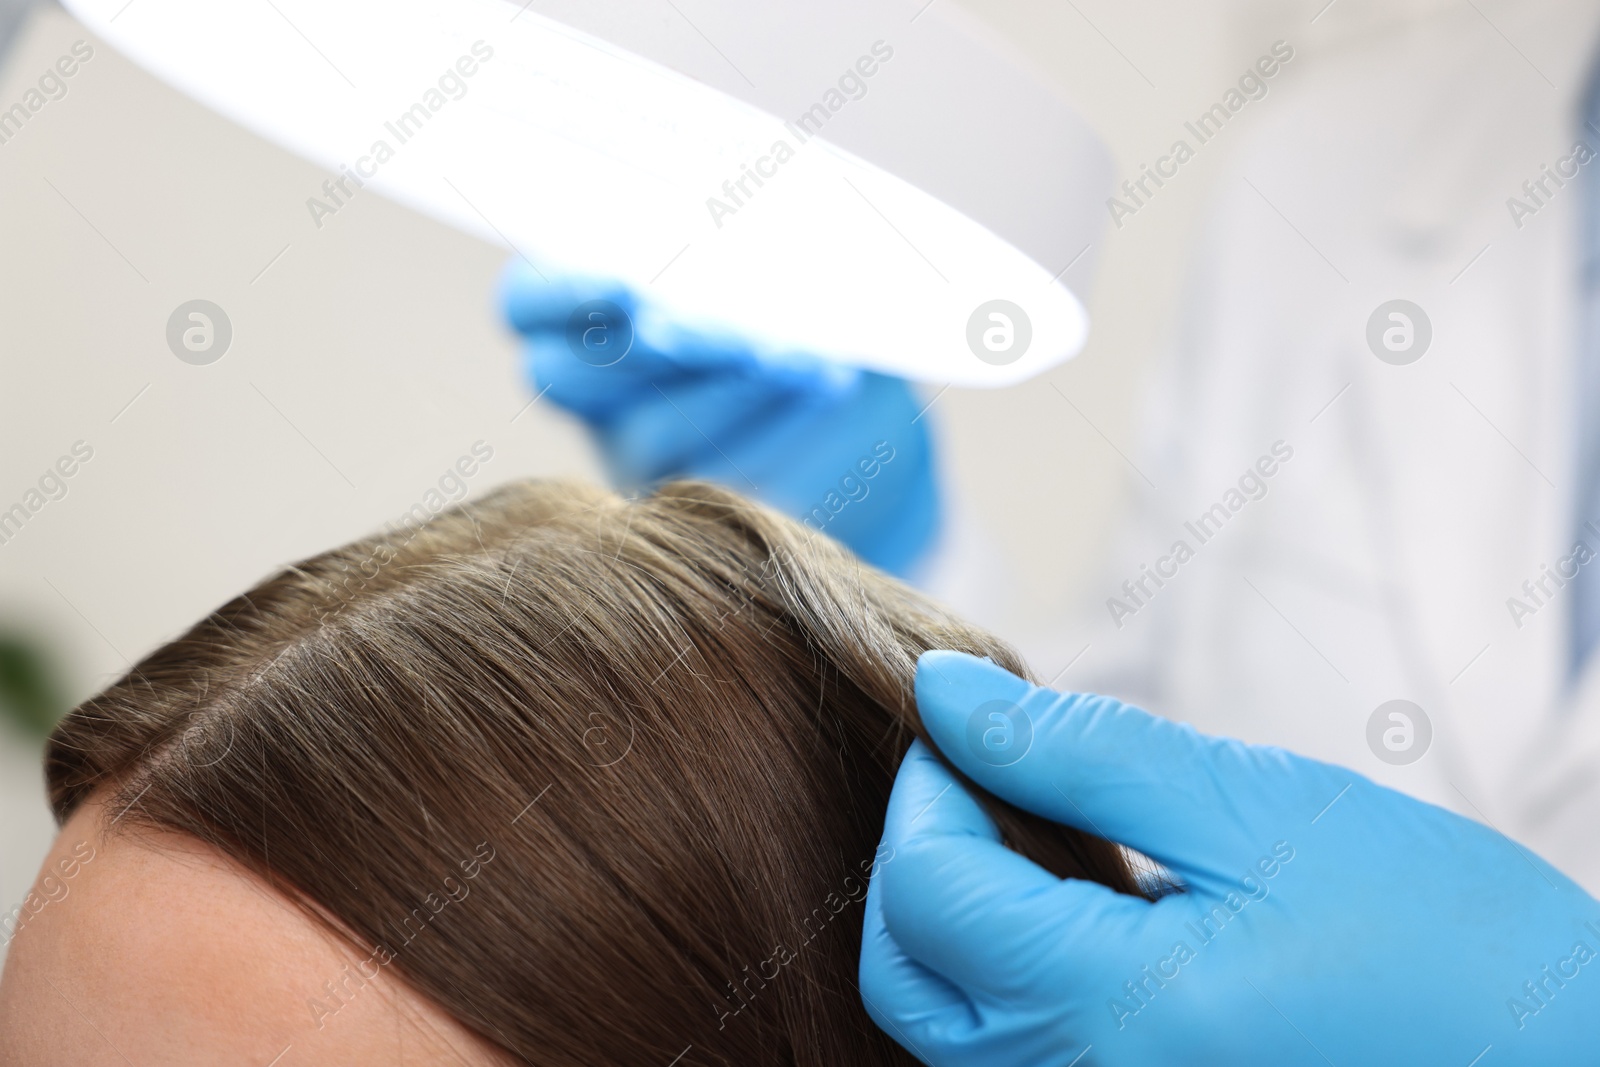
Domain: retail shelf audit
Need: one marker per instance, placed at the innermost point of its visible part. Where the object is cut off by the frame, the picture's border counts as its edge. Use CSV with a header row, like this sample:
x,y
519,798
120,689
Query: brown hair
x,y
603,778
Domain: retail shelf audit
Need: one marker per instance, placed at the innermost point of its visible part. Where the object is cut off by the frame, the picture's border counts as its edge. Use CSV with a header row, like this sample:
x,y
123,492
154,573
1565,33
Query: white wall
x,y
367,357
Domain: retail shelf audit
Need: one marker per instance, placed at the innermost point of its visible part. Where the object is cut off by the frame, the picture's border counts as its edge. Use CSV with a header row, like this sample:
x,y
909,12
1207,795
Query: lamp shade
x,y
861,181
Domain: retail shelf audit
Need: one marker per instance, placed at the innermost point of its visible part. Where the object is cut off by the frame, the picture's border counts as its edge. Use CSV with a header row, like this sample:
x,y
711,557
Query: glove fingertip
x,y
533,300
953,691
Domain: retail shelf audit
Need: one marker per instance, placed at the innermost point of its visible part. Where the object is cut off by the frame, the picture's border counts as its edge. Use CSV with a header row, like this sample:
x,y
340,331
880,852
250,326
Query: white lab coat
x,y
1380,563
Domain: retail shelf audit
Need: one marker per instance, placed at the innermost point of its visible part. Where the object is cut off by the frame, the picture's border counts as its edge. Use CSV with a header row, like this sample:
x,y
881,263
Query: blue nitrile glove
x,y
841,449
1327,920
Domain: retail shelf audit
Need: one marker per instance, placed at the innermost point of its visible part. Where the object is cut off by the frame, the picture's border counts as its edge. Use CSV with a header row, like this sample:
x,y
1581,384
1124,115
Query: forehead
x,y
150,947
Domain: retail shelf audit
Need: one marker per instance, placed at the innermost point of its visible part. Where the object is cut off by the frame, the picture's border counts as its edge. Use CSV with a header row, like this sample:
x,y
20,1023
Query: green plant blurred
x,y
30,690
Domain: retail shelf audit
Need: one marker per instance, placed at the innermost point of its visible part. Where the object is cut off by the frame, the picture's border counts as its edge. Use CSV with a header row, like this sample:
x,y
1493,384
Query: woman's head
x,y
591,780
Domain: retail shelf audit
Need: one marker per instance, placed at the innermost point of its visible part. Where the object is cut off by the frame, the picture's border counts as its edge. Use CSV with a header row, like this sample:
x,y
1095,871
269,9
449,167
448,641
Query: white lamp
x,y
859,180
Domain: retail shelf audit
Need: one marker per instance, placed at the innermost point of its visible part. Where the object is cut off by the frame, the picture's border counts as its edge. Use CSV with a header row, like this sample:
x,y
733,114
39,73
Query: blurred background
x,y
367,355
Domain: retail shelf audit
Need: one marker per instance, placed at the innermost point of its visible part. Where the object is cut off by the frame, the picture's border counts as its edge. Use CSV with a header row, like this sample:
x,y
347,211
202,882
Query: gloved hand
x,y
839,448
1327,920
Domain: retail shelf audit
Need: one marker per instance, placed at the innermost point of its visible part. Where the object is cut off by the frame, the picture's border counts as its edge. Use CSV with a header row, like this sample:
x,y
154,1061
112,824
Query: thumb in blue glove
x,y
1323,919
